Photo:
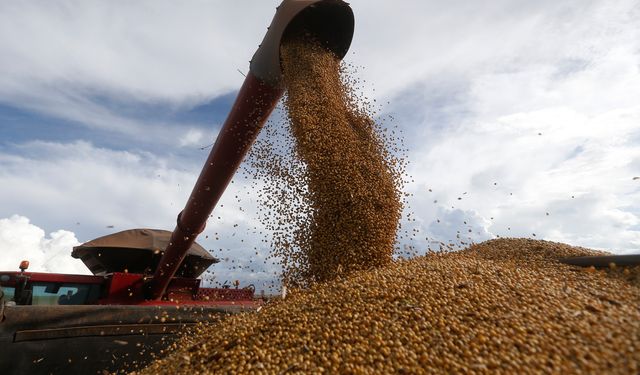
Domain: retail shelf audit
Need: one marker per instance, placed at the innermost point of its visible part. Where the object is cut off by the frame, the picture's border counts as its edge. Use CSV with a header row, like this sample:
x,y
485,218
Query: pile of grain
x,y
505,305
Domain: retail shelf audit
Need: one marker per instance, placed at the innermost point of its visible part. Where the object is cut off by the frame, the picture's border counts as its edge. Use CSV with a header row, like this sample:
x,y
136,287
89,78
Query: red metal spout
x,y
331,22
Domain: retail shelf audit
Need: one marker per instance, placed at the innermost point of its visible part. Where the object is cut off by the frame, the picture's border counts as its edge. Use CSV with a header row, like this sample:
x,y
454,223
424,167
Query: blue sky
x,y
21,125
526,111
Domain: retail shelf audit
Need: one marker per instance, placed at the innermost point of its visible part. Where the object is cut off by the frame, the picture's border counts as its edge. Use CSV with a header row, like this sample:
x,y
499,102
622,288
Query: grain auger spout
x,y
329,22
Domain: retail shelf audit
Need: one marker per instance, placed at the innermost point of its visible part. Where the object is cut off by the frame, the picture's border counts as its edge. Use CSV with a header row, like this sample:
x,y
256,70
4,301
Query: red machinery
x,y
142,295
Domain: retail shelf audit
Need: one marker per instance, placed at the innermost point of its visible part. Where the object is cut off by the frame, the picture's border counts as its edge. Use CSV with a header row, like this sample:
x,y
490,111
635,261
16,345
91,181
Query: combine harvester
x,y
145,288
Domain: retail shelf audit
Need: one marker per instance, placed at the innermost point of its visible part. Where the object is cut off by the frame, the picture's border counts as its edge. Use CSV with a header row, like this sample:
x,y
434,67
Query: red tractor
x,y
145,288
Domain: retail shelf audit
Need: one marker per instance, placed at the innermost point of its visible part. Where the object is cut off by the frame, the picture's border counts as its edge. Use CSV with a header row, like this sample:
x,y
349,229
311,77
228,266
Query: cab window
x,y
8,293
64,294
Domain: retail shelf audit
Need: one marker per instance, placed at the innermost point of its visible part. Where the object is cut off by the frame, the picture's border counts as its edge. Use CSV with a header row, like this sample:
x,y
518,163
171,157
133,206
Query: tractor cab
x,y
28,289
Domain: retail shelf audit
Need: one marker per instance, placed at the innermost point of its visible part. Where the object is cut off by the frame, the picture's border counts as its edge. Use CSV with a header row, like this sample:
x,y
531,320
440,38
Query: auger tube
x,y
330,22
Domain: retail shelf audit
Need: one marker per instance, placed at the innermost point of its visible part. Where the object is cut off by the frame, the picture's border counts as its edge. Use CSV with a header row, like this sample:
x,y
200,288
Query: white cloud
x,y
556,173
192,137
74,60
426,40
149,50
475,85
95,187
21,240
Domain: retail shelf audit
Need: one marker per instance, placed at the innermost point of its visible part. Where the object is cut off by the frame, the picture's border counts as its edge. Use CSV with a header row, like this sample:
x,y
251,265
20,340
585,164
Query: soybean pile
x,y
503,306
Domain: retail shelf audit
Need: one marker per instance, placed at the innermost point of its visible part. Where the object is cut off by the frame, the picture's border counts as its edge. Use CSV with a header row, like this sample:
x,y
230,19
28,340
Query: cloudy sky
x,y
521,118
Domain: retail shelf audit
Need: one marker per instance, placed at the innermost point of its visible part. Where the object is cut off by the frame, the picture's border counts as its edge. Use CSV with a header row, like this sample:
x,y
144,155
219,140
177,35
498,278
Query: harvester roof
x,y
138,251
